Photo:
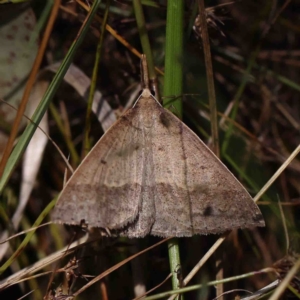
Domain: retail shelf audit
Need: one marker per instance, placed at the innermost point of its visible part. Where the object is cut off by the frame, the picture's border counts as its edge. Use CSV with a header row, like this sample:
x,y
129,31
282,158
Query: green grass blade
x,y
86,143
173,86
29,235
174,54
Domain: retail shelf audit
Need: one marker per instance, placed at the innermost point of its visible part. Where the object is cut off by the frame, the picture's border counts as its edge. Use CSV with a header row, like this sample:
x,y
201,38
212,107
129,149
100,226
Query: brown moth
x,y
151,174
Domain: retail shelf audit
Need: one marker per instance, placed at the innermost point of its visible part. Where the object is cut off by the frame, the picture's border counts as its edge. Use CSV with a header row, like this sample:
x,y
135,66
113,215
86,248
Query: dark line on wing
x,y
181,126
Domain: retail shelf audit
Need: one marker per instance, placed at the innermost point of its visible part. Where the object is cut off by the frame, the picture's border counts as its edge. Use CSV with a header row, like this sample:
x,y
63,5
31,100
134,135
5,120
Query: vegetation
x,y
242,101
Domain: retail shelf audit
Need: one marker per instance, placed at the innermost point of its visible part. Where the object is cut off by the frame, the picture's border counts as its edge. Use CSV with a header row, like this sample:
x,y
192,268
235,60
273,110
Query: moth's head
x,y
146,93
146,98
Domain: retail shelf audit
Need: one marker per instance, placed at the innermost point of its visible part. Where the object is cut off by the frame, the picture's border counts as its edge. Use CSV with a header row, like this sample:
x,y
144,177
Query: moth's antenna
x,y
144,72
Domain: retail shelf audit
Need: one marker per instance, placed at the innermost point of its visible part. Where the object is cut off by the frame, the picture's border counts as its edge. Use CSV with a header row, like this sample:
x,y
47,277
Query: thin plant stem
x,y
174,55
173,86
86,144
56,116
141,24
210,79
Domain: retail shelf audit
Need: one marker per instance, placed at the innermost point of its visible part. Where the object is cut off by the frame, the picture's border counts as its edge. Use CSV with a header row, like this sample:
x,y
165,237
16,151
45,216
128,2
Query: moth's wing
x,y
195,193
105,190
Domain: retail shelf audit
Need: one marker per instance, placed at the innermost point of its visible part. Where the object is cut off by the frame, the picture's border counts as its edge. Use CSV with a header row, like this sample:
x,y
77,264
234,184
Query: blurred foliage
x,y
265,132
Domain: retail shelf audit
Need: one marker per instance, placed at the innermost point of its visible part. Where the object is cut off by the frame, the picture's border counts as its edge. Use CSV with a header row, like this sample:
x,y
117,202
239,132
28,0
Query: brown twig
x,y
210,79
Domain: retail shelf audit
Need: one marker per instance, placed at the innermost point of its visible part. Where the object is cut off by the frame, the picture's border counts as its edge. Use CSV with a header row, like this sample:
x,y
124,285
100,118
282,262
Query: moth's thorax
x,y
146,93
147,108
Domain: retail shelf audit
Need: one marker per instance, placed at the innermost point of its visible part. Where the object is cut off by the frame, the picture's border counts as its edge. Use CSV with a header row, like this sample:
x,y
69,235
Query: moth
x,y
151,174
